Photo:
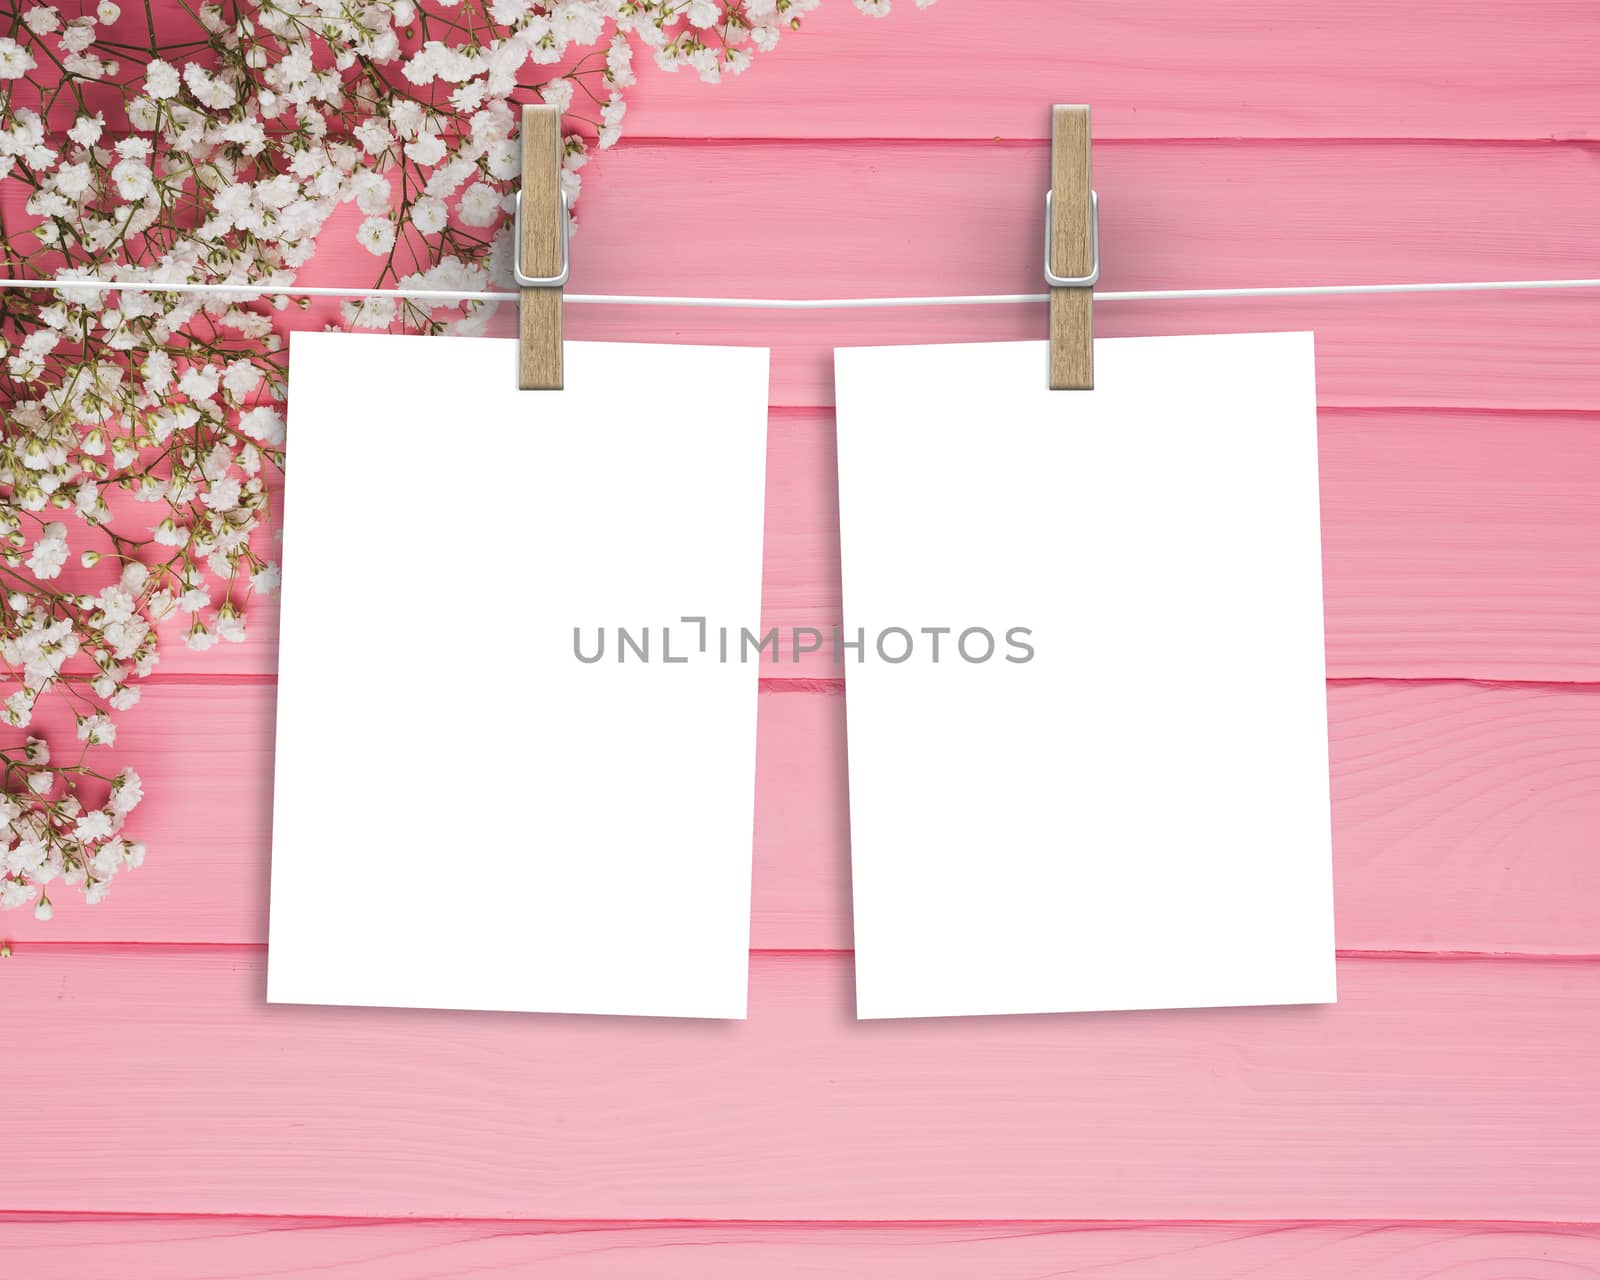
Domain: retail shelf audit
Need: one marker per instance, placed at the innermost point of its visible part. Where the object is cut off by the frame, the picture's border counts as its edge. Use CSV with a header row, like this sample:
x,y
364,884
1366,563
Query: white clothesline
x,y
803,304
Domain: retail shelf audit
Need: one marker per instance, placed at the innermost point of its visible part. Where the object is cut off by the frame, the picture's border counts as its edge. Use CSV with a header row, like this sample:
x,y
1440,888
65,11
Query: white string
x,y
247,290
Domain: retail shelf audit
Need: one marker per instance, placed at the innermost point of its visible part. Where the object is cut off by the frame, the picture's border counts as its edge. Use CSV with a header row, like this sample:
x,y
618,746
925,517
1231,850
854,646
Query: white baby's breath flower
x,y
425,149
50,552
558,94
86,130
619,62
230,624
42,19
223,494
428,215
161,79
133,178
97,729
94,825
73,180
480,205
224,159
263,423
373,193
199,382
126,792
576,22
376,235
213,92
15,61
703,13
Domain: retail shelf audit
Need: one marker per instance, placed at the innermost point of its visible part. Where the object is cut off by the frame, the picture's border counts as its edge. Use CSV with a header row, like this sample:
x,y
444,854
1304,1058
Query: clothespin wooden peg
x,y
1072,251
540,234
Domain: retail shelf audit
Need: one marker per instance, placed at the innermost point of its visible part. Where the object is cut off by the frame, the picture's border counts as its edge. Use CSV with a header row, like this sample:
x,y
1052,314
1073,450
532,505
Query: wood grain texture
x,y
55,1247
1165,69
1460,537
1455,544
1495,351
1435,1090
1071,250
1464,820
965,218
539,335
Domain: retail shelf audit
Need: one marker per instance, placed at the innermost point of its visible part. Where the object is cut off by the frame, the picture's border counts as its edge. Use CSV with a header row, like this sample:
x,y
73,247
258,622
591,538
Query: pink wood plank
x,y
967,217
57,1247
1464,817
1536,351
960,218
1427,518
957,216
1245,68
1436,1090
1454,544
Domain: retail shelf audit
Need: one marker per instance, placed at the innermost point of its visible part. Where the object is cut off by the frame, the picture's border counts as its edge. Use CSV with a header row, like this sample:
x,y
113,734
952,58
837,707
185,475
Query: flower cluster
x,y
142,431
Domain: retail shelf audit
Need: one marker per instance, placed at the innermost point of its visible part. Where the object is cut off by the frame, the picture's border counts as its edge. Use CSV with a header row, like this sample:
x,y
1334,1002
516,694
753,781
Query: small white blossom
x,y
264,423
480,206
94,825
161,79
376,235
97,730
133,178
425,149
42,19
15,61
703,13
86,130
223,163
50,552
429,215
223,494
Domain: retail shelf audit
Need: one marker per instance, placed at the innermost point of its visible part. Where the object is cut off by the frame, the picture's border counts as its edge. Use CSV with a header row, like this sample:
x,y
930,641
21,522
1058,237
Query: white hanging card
x,y
1110,788
468,814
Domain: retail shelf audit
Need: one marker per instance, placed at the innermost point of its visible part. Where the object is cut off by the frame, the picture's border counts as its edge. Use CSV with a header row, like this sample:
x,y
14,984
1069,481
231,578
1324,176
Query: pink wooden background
x,y
1443,1119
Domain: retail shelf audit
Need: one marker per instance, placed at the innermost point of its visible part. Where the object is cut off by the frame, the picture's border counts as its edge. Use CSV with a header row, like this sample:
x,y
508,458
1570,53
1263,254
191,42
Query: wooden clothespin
x,y
541,250
1072,251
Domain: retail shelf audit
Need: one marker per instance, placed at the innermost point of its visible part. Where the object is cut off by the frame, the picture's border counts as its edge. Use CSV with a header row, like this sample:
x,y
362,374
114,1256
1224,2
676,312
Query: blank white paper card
x,y
467,814
1087,722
